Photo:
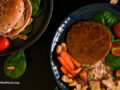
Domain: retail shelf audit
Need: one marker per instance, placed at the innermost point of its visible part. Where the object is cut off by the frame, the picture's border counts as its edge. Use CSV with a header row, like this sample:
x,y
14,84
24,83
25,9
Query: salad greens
x,y
113,61
35,12
56,88
27,30
17,60
35,7
106,18
112,35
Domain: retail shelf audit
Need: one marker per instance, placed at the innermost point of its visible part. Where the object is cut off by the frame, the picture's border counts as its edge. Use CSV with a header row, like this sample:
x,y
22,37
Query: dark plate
x,y
39,26
84,13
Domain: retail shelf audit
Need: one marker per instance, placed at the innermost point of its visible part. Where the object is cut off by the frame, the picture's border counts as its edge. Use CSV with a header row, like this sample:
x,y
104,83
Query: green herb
x,y
113,61
56,88
27,30
112,35
106,18
116,40
35,7
35,12
18,61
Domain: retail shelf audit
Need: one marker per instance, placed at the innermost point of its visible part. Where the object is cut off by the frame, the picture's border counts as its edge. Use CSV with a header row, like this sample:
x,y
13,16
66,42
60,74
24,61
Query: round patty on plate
x,y
88,42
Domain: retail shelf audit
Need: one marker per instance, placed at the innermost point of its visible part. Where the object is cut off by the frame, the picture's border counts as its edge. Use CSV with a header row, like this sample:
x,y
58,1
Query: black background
x,y
38,75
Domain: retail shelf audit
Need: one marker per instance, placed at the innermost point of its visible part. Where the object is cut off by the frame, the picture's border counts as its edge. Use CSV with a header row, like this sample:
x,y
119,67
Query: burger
x,y
15,15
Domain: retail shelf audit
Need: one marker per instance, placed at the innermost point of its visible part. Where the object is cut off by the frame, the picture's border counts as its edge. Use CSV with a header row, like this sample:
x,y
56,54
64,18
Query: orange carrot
x,y
66,57
64,70
76,63
63,62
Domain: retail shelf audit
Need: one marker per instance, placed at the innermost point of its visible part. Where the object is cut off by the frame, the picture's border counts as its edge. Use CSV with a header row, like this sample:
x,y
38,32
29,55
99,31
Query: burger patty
x,y
88,42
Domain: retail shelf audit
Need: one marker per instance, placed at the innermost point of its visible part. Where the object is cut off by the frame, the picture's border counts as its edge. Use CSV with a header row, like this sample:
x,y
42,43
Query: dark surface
x,y
38,75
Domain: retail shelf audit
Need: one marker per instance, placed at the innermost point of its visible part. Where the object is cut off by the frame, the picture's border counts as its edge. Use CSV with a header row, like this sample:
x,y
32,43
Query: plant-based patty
x,y
88,42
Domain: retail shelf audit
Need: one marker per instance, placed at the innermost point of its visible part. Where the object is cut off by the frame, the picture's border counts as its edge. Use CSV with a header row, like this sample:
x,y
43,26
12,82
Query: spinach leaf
x,y
27,30
106,18
112,35
35,12
19,62
116,40
56,88
113,61
35,7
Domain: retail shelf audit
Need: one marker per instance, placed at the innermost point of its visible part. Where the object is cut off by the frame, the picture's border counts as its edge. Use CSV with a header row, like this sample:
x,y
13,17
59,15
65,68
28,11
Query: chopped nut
x,y
118,82
14,37
23,37
84,87
10,68
77,70
83,75
69,75
73,83
58,49
109,83
64,47
66,79
95,85
75,89
78,87
113,1
30,21
118,86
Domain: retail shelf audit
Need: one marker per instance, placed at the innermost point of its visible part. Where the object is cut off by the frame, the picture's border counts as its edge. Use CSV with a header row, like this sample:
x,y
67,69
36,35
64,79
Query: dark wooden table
x,y
38,75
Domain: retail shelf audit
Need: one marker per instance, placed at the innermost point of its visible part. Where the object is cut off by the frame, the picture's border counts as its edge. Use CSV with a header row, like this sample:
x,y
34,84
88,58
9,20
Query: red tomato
x,y
4,43
118,73
116,30
116,48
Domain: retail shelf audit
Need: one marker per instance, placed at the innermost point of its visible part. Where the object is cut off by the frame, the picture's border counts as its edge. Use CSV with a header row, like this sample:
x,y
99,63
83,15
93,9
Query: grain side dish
x,y
98,71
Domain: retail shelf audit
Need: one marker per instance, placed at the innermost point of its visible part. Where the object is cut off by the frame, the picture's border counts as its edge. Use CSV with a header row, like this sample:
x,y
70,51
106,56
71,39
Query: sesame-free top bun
x,y
21,18
10,13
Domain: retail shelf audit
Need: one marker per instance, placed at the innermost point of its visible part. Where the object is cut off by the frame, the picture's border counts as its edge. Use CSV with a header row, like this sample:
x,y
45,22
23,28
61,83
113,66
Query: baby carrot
x,y
63,62
67,59
64,70
76,63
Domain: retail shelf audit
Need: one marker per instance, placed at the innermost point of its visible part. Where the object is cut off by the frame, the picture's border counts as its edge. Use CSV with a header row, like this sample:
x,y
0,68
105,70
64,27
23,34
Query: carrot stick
x,y
76,63
64,70
62,61
66,57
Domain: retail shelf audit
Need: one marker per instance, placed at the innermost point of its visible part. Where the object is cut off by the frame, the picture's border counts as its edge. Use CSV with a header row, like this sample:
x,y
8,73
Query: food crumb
x,y
113,1
10,68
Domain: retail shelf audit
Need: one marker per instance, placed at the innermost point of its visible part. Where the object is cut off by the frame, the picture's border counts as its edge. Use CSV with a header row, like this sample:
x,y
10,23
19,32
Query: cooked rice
x,y
98,71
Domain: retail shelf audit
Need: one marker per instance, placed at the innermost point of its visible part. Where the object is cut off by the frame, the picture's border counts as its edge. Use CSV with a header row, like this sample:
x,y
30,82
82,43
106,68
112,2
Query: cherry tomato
x,y
116,30
118,73
4,43
116,48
